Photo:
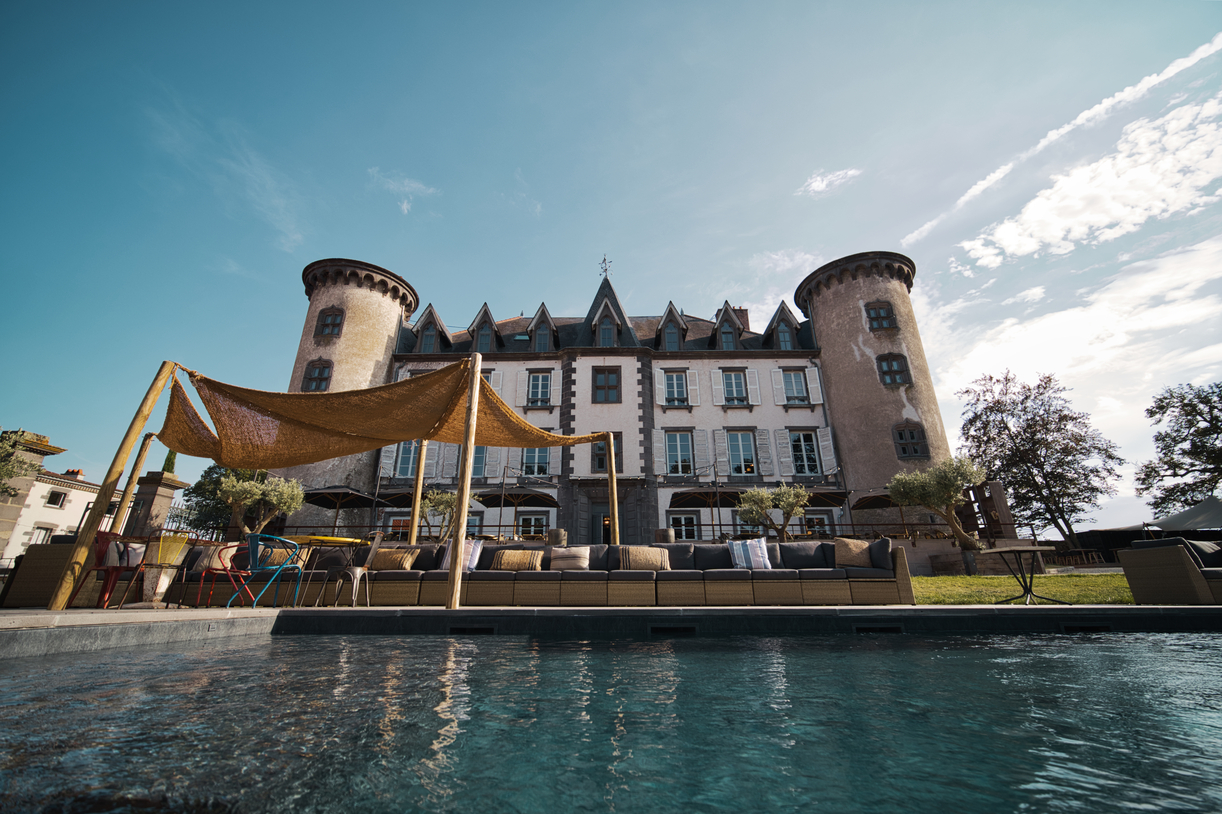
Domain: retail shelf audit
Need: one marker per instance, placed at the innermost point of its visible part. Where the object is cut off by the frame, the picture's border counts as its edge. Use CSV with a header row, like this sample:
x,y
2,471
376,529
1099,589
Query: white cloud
x,y
1090,116
1030,295
820,184
1159,168
401,186
958,268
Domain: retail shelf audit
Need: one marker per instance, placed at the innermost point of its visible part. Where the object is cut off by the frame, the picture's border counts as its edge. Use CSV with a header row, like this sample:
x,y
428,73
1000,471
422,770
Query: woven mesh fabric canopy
x,y
256,429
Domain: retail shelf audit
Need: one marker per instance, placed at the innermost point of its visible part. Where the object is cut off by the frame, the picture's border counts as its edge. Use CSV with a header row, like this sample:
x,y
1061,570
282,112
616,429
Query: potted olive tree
x,y
939,489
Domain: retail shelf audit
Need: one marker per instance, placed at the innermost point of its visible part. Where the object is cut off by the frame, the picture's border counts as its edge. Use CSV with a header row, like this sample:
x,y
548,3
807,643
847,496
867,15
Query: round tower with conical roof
x,y
879,393
350,332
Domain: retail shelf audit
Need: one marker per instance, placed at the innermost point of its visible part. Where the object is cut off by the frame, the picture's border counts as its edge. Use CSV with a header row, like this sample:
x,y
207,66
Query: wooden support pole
x,y
75,567
417,490
464,484
612,493
116,525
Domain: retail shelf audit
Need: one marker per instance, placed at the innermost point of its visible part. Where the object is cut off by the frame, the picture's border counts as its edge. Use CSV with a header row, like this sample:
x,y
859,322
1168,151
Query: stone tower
x,y
351,329
879,393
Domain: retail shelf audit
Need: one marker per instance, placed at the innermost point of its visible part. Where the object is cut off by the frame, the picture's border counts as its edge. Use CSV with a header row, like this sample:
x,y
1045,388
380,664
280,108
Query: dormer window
x,y
881,316
483,342
784,337
542,339
606,333
428,339
727,337
330,322
672,337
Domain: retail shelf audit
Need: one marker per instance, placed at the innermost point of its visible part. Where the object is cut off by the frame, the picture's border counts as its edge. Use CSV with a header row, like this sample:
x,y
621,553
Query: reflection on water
x,y
370,724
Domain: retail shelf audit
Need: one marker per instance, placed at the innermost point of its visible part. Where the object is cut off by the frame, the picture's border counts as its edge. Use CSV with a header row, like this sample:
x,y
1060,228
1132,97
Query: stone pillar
x,y
154,493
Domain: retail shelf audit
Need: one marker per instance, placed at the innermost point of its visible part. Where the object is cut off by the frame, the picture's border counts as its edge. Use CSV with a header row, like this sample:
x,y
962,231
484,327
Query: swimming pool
x,y
489,724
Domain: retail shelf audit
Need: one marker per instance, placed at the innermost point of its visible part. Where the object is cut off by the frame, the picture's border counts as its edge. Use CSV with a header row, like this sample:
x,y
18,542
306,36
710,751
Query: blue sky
x,y
1052,168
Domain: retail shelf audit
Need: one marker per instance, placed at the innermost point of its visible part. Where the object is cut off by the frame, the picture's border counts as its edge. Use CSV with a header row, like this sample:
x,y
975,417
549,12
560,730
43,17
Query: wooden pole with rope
x,y
74,569
464,485
612,493
417,490
116,524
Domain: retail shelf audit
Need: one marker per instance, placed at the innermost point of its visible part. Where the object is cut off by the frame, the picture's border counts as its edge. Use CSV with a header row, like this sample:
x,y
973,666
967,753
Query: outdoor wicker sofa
x,y
1173,571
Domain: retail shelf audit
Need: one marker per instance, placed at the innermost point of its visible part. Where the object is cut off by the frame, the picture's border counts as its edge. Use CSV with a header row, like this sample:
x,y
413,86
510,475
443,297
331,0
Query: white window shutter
x,y
449,463
763,452
812,384
693,387
555,376
753,386
492,462
659,452
514,462
659,386
495,381
778,386
386,465
719,388
721,453
430,459
522,384
827,452
700,448
784,454
553,460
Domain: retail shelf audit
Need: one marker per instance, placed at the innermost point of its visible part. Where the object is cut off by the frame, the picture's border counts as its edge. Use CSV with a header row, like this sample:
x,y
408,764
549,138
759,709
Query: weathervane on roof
x,y
605,265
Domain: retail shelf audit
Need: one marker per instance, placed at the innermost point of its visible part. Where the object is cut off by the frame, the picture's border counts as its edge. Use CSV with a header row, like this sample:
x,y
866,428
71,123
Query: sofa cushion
x,y
749,553
774,555
804,555
880,553
852,553
710,556
393,559
571,575
723,574
681,556
396,576
539,576
775,573
686,575
547,553
1211,573
1193,547
576,558
489,551
471,550
426,556
822,573
599,557
1208,554
869,573
517,560
643,558
630,576
491,576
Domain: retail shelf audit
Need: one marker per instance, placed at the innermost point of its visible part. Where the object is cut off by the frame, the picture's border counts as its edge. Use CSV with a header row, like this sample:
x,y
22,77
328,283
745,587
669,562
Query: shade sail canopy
x,y
257,429
1205,515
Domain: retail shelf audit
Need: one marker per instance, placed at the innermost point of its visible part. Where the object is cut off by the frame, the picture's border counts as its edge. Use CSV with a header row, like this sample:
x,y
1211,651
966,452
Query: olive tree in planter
x,y
940,489
755,505
262,500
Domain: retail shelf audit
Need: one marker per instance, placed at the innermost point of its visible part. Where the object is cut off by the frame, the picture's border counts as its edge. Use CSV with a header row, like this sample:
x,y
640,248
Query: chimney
x,y
741,313
75,474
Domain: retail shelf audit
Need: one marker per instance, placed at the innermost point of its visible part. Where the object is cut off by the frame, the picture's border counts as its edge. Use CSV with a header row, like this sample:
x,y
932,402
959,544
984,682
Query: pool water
x,y
490,724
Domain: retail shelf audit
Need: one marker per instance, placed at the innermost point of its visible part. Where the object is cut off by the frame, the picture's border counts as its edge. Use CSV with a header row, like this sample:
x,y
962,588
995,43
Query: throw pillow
x,y
852,553
393,559
643,558
518,560
471,550
750,554
211,559
571,559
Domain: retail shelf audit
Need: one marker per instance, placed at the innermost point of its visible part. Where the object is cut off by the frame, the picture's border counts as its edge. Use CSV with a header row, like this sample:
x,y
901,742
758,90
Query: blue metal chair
x,y
266,564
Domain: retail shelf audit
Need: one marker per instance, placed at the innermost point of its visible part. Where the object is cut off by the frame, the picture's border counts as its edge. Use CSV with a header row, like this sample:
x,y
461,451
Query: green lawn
x,y
1080,589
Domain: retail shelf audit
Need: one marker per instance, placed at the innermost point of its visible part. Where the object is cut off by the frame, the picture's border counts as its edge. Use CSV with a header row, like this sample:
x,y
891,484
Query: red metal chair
x,y
110,573
236,576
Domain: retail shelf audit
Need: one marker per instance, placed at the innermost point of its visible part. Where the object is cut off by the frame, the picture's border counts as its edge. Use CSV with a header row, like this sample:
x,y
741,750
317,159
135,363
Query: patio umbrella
x,y
879,499
705,499
831,498
341,497
526,498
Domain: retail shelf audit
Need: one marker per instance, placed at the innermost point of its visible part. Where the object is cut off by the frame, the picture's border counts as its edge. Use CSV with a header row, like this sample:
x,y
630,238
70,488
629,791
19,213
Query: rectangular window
x,y
678,453
805,453
41,535
56,499
477,462
742,452
686,526
408,453
542,337
735,386
606,385
784,339
795,387
742,527
893,369
532,525
540,394
881,316
428,340
400,524
598,454
534,461
475,523
676,389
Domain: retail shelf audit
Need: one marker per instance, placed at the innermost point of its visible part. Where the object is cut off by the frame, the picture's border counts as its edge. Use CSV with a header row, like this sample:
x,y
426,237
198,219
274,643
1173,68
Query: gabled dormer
x,y
432,336
727,329
606,322
782,330
542,330
672,330
485,336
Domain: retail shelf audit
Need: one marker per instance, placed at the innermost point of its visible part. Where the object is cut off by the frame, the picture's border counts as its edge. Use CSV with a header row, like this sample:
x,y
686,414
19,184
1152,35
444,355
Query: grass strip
x,y
1079,589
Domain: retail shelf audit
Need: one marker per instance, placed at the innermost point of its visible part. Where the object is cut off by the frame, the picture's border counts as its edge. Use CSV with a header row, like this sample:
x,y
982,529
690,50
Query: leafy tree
x,y
171,459
1054,464
754,506
1188,468
939,489
264,499
439,504
12,465
207,511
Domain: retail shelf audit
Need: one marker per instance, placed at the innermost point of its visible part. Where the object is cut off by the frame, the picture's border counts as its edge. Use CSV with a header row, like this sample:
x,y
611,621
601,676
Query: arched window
x,y
784,337
606,333
317,376
542,339
881,316
672,336
893,369
727,336
909,440
484,339
330,322
428,339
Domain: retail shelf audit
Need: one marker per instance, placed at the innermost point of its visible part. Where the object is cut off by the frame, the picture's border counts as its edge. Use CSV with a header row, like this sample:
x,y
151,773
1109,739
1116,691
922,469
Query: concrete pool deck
x,y
33,632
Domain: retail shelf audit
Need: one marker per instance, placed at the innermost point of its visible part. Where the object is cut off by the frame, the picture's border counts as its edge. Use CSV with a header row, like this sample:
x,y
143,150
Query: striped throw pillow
x,y
576,558
393,559
518,560
471,550
643,558
750,554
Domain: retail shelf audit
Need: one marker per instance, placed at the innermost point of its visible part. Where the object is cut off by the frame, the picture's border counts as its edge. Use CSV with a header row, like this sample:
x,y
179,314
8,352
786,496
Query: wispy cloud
x,y
1030,295
774,276
221,155
822,183
1159,168
402,187
1087,117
